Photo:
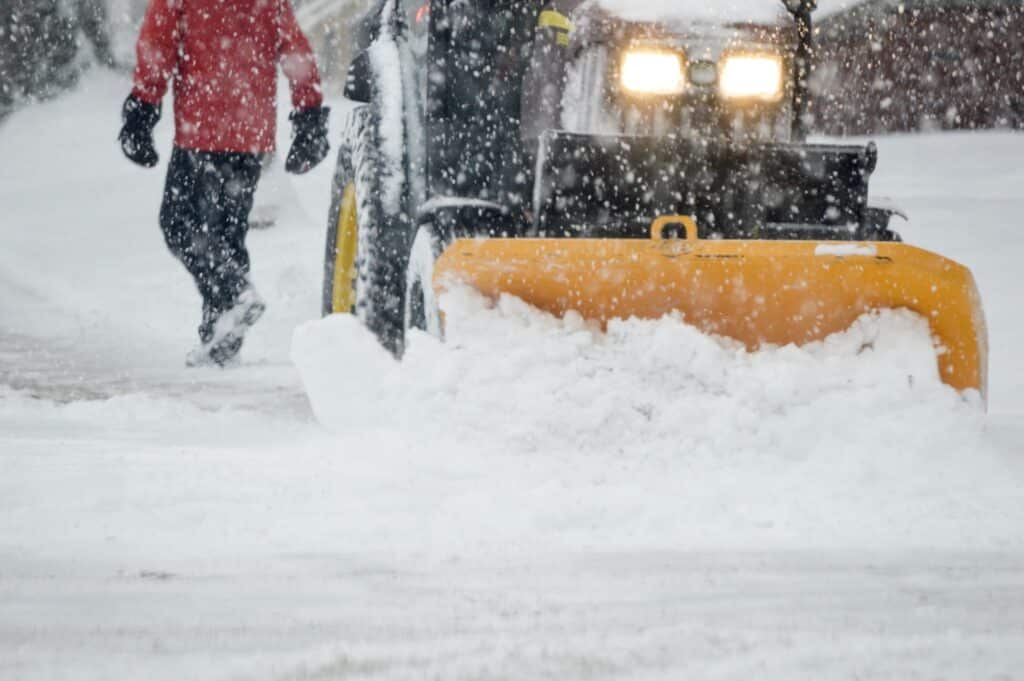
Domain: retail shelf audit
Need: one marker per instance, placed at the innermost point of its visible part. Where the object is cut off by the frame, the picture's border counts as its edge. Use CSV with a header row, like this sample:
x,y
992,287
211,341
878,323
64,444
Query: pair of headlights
x,y
757,77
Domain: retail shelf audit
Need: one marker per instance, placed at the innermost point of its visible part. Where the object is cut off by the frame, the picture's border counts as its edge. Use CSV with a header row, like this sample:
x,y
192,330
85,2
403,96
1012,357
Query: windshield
x,y
716,12
720,11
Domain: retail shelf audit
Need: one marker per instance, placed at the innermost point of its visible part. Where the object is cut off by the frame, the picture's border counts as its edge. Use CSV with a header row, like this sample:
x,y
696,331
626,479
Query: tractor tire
x,y
378,249
422,309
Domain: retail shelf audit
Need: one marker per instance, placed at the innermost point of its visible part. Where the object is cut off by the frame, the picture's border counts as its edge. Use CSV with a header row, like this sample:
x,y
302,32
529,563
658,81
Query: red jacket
x,y
223,56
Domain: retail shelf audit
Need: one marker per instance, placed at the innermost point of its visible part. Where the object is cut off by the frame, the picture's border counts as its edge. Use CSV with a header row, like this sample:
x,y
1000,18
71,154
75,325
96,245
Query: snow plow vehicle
x,y
618,165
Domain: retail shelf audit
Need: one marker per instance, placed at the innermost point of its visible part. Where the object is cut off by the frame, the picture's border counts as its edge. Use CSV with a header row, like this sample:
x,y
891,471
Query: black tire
x,y
421,306
384,239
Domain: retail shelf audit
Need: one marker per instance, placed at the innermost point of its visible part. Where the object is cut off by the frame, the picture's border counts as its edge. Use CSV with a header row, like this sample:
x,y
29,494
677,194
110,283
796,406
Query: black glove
x,y
137,133
309,146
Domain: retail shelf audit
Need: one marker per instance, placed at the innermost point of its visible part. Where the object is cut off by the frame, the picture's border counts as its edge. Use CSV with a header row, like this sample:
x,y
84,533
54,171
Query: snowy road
x,y
507,519
622,616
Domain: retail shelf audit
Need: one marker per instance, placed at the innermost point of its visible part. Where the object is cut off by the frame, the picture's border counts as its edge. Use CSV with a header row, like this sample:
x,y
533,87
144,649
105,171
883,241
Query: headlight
x,y
751,77
653,72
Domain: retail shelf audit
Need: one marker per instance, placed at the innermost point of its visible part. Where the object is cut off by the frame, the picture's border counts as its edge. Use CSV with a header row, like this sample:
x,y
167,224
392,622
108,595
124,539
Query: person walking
x,y
222,56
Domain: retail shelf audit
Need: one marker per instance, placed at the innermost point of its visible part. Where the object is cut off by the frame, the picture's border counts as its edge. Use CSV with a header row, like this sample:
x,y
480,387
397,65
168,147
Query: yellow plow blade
x,y
757,292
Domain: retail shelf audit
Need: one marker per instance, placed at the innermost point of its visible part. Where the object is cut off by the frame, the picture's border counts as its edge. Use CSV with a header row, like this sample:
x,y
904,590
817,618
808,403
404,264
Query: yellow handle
x,y
659,225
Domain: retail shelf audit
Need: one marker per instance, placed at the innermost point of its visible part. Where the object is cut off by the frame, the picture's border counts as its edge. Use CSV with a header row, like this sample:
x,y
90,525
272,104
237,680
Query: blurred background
x,y
883,65
47,45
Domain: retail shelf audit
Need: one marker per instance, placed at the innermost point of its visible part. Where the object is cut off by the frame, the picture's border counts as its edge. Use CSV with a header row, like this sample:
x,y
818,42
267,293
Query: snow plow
x,y
617,166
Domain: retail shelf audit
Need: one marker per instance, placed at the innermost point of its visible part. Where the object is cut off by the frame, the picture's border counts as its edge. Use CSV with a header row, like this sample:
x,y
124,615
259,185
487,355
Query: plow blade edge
x,y
757,292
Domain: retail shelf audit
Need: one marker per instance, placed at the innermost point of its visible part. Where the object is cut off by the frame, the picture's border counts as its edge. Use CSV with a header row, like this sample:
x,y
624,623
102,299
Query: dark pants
x,y
205,217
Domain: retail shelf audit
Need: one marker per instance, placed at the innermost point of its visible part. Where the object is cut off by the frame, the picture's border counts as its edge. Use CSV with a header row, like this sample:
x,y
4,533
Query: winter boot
x,y
227,332
224,356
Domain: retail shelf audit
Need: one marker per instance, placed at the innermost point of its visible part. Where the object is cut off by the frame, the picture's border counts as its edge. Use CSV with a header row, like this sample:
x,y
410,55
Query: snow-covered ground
x,y
530,500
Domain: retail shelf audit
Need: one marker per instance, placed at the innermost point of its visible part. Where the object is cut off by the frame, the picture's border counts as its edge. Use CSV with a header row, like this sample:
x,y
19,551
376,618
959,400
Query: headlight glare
x,y
757,77
653,72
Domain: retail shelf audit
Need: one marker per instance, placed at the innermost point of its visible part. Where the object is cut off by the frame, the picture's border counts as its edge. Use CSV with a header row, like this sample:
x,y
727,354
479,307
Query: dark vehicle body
x,y
507,118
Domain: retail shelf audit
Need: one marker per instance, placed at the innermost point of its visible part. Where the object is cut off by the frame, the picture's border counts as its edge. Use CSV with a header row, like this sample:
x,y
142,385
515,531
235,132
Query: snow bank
x,y
655,433
561,384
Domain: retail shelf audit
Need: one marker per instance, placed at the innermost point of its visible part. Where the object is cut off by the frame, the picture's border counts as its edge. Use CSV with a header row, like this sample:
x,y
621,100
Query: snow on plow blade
x,y
757,292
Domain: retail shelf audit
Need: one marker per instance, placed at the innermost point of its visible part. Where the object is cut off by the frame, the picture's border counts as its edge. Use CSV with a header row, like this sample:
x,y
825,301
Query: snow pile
x,y
547,383
654,434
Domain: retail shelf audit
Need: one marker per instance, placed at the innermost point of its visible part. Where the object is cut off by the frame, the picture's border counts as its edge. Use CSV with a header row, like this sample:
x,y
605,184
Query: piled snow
x,y
558,384
387,69
657,435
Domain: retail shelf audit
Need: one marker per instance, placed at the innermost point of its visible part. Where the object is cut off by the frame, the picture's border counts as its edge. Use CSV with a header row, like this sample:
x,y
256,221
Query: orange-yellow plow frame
x,y
757,292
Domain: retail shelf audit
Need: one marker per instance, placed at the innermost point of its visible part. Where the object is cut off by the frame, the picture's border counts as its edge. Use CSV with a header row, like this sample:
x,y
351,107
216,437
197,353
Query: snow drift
x,y
671,435
547,382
